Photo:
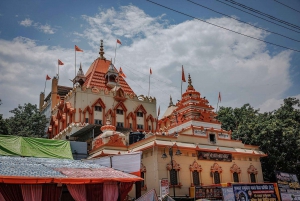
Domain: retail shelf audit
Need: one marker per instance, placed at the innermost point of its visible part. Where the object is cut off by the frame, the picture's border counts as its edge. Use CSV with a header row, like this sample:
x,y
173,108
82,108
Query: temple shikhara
x,y
186,145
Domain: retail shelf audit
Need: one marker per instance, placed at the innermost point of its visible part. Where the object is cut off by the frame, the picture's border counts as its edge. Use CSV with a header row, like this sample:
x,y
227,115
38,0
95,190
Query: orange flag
x,y
48,78
78,49
150,71
219,98
118,41
60,62
121,73
183,76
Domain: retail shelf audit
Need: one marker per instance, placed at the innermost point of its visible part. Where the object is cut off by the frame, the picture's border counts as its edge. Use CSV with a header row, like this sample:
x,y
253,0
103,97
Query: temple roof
x,y
95,76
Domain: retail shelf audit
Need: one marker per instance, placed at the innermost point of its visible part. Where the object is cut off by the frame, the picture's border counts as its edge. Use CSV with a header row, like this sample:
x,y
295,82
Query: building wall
x,y
156,169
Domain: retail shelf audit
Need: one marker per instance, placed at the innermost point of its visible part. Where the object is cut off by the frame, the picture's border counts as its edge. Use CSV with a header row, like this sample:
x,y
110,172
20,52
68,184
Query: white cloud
x,y
26,23
241,68
273,104
47,29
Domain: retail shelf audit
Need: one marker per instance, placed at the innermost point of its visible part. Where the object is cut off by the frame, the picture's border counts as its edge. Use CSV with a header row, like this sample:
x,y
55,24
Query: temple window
x,y
143,175
120,124
196,169
139,114
98,108
98,121
252,171
212,138
174,173
130,125
215,173
149,127
119,111
86,120
140,126
235,171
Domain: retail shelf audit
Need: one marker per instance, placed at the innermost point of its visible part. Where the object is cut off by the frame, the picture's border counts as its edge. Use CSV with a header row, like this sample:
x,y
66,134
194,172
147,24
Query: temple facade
x,y
186,146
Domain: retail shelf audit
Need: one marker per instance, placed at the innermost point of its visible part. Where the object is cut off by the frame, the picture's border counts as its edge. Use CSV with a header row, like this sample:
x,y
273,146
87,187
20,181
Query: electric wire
x,y
222,27
287,6
263,14
242,21
258,17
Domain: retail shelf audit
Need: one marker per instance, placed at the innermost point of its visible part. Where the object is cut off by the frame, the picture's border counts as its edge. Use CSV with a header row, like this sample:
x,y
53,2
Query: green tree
x,y
276,133
27,121
3,124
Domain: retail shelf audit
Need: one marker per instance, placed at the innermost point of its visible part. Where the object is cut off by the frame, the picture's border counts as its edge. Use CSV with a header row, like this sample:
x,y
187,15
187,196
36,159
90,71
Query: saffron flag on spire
x,y
219,98
182,75
60,62
150,71
118,41
121,73
48,78
78,49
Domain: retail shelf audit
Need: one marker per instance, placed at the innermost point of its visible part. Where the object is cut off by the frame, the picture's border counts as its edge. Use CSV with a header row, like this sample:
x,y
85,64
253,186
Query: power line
x,y
263,14
287,6
258,16
221,26
242,21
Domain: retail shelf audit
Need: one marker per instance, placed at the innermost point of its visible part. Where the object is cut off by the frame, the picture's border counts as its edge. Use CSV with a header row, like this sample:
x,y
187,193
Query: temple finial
x,y
190,81
171,102
101,53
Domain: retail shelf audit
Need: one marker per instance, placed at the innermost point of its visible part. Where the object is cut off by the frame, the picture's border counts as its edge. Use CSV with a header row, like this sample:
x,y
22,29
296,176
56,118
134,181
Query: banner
x,y
254,192
164,187
149,196
211,193
228,194
288,185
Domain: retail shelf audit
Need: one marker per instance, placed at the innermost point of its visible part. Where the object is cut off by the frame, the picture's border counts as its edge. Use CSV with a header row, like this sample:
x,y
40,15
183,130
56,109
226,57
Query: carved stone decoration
x,y
115,140
216,168
176,166
252,169
98,143
195,167
235,168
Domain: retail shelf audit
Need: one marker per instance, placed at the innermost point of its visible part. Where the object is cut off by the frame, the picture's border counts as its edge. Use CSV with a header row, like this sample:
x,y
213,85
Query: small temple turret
x,y
80,77
111,76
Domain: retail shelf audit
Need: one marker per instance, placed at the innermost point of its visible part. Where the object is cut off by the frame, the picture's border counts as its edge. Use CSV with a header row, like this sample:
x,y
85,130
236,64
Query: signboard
x,y
223,136
211,193
254,192
228,194
287,180
164,187
215,156
288,185
200,133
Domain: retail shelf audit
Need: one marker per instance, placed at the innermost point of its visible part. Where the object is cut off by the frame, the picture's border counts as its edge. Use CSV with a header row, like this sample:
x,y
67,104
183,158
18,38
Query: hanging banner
x,y
164,187
254,192
228,194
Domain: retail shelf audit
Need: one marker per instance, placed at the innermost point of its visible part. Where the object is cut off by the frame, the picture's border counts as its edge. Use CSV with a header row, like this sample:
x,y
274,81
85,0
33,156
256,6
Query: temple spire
x,y
190,82
171,102
101,53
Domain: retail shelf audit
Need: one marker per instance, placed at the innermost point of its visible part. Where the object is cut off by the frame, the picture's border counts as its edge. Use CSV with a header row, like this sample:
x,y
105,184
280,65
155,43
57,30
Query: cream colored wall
x,y
185,160
120,118
87,97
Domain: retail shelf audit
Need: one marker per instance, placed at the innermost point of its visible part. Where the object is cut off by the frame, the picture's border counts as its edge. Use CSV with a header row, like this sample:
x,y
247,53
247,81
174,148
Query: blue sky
x,y
34,34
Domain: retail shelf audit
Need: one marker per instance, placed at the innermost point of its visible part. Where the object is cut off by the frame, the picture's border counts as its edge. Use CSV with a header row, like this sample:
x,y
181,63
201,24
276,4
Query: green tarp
x,y
34,147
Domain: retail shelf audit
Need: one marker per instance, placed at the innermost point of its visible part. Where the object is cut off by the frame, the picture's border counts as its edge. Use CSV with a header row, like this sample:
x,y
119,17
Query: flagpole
x,y
57,70
75,61
45,86
181,89
115,52
217,105
149,85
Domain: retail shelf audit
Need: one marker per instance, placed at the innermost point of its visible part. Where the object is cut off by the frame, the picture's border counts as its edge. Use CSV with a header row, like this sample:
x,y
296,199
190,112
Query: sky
x,y
221,53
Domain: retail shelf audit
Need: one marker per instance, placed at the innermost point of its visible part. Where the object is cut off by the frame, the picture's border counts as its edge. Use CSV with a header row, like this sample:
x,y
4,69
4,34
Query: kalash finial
x,y
101,50
190,81
171,102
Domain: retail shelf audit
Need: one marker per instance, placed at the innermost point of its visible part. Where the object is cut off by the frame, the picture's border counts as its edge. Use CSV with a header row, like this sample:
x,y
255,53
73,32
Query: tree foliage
x,y
276,133
27,121
3,124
